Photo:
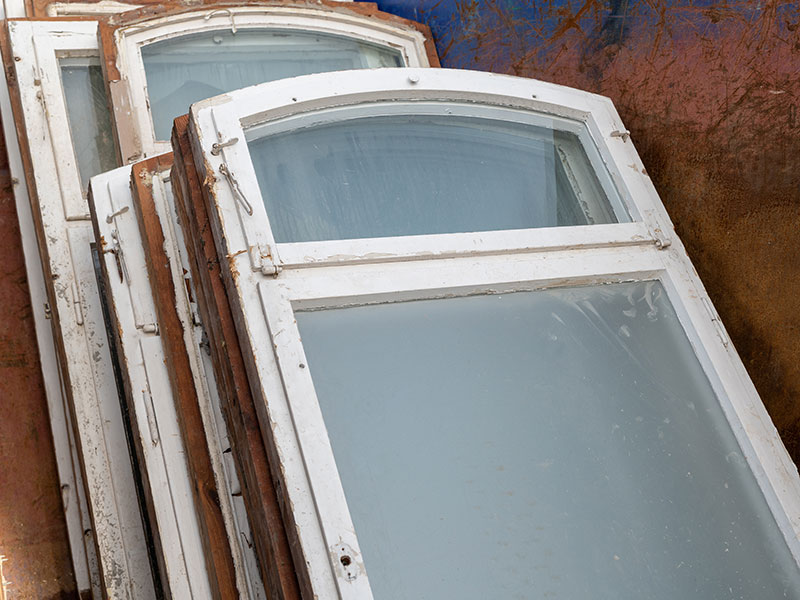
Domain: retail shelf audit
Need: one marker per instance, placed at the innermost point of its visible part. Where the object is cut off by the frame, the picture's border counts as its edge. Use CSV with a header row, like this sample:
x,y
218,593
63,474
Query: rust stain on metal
x,y
710,95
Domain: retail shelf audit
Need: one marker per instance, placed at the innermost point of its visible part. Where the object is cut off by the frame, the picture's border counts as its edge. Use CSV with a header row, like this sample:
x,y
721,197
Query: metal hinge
x,y
76,304
150,328
662,241
624,134
150,410
262,257
717,323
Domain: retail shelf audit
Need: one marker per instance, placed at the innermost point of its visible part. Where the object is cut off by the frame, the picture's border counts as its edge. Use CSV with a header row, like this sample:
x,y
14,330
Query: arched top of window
x,y
158,65
367,159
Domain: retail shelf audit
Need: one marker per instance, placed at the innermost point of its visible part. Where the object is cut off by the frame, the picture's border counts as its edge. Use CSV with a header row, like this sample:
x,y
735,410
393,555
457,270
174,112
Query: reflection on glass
x,y
549,444
381,176
186,69
89,119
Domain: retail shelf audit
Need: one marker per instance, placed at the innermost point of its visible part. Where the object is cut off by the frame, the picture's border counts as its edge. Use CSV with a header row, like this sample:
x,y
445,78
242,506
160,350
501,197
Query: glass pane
x,y
549,444
186,69
89,119
394,175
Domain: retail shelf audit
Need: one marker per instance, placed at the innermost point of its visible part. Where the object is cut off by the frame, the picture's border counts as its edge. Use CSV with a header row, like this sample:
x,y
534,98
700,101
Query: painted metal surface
x,y
710,91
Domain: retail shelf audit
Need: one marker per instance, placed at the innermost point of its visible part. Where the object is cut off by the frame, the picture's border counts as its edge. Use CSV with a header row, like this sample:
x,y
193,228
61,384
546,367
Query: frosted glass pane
x,y
89,119
412,174
183,70
548,444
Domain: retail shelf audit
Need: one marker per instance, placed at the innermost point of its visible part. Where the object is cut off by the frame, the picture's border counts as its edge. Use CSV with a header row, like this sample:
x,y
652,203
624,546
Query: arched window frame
x,y
123,38
268,282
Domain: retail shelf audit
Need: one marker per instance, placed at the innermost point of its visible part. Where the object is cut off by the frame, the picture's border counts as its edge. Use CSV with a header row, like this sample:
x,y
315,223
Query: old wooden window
x,y
162,65
537,407
49,56
164,407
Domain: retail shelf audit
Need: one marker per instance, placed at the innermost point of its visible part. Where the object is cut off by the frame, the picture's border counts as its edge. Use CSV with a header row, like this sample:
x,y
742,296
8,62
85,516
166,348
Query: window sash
x,y
363,271
78,39
128,41
65,231
250,112
267,307
129,291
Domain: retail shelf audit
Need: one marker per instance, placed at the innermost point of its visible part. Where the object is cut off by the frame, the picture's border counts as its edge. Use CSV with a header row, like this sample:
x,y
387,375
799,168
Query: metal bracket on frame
x,y
662,242
223,11
712,313
263,259
77,304
236,189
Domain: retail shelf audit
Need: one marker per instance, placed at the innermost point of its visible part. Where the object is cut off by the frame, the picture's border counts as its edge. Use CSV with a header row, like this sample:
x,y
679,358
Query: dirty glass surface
x,y
406,174
89,118
548,444
186,69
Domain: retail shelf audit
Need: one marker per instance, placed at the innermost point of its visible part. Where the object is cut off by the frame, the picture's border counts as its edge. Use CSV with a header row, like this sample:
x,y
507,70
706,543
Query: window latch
x,y
119,258
263,259
222,11
237,191
624,134
110,218
217,147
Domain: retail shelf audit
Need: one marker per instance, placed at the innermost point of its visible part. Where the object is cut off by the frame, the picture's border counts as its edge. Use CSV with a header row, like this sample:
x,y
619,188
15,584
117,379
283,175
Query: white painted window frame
x,y
76,510
153,403
40,87
268,282
77,314
130,94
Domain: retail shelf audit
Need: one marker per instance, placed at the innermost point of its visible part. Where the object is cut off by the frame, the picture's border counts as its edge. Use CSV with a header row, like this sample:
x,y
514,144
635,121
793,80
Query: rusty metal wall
x,y
33,533
710,91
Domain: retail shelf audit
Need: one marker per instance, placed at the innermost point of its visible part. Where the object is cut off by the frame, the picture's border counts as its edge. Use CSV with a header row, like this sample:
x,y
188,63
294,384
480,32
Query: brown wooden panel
x,y
260,487
206,495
